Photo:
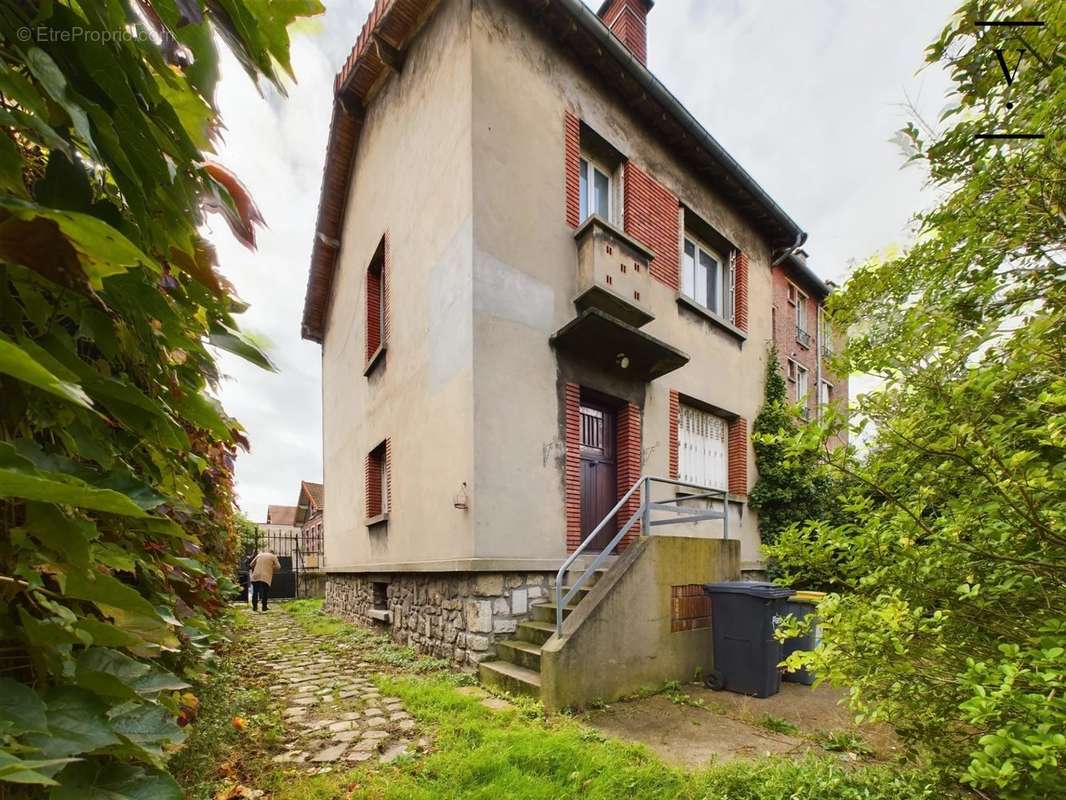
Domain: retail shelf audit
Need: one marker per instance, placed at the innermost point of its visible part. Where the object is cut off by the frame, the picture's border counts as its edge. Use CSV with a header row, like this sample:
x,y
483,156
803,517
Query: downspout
x,y
801,238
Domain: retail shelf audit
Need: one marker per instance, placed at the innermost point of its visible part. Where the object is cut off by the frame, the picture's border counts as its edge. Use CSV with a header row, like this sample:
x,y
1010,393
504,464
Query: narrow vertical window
x,y
376,305
594,189
377,482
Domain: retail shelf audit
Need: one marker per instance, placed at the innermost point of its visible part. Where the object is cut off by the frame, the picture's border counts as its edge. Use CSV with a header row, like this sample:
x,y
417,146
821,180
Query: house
x,y
280,530
310,508
537,281
804,336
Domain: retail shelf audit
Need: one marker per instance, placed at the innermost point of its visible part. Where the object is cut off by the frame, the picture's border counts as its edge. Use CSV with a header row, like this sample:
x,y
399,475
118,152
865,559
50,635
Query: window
x,y
595,189
707,278
377,481
801,312
375,305
702,447
802,386
793,292
826,334
825,393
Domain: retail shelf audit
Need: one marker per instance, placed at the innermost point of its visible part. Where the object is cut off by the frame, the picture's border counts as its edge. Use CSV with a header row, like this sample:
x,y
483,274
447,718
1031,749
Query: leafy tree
x,y
952,627
116,500
792,488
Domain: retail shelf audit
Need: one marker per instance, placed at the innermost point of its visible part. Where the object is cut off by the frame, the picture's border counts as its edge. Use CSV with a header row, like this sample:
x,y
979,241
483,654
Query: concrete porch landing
x,y
727,728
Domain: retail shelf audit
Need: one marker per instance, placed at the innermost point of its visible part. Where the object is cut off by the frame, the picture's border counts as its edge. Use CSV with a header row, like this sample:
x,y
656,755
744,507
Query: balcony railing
x,y
803,337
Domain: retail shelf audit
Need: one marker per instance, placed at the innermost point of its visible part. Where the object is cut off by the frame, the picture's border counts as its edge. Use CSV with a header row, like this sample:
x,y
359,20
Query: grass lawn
x,y
477,752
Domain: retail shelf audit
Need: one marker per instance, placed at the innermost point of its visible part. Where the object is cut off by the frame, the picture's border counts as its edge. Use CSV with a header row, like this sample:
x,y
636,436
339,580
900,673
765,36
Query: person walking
x,y
262,568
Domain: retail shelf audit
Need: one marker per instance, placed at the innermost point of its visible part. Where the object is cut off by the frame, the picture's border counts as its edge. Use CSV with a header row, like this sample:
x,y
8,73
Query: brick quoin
x,y
738,456
651,218
628,465
675,410
572,156
572,472
741,292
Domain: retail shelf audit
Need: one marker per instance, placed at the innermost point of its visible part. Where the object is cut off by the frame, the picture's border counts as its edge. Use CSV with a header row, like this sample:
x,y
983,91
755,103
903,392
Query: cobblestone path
x,y
334,715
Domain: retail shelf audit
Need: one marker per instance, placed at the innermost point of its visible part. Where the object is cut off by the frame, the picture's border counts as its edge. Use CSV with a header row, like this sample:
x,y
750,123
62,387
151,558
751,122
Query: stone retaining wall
x,y
457,616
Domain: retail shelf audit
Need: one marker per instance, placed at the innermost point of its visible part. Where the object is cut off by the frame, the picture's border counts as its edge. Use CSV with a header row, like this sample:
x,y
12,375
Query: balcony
x,y
612,272
803,338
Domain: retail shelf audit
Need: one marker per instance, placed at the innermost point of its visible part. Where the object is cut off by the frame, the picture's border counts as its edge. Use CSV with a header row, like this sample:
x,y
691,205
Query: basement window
x,y
380,595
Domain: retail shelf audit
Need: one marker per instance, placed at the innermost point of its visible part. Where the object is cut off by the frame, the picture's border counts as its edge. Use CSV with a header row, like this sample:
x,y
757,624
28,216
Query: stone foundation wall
x,y
458,616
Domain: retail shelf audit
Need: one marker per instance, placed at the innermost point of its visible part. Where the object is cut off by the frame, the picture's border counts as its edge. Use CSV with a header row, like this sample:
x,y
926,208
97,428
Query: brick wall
x,y
738,456
675,410
571,158
651,217
627,20
740,280
627,459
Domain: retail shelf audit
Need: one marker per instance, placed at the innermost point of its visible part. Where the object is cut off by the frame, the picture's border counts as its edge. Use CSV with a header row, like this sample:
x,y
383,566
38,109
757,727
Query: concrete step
x,y
545,612
535,632
524,654
509,677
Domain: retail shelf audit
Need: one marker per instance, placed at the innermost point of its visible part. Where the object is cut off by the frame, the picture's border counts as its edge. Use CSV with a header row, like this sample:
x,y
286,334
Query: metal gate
x,y
286,546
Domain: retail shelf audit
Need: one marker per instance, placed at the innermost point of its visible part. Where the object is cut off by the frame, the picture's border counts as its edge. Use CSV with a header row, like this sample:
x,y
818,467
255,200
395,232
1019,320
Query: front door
x,y
599,488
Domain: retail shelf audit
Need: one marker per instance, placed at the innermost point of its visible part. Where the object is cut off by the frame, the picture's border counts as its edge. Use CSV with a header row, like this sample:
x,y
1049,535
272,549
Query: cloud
x,y
805,95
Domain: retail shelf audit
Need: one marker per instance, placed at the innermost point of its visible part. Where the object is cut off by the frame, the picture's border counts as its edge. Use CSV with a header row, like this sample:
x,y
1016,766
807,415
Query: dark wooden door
x,y
599,487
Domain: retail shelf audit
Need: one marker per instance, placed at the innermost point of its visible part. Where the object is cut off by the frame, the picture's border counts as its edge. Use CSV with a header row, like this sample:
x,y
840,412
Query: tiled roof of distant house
x,y
281,515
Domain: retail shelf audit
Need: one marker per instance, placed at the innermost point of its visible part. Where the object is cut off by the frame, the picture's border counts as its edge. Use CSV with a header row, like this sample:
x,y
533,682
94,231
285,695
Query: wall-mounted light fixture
x,y
622,360
461,500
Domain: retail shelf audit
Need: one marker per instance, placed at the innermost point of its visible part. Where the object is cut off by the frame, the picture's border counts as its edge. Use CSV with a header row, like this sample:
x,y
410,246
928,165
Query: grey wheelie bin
x,y
746,654
800,605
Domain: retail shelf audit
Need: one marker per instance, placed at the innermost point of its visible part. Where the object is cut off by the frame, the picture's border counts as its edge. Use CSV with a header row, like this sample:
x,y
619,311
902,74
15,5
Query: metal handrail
x,y
643,513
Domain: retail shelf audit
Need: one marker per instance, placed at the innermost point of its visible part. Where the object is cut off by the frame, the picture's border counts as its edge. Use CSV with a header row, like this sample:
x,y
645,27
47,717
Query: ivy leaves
x,y
116,461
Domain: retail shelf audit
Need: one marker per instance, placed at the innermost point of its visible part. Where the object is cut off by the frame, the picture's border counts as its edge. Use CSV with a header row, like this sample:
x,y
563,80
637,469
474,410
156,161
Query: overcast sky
x,y
806,96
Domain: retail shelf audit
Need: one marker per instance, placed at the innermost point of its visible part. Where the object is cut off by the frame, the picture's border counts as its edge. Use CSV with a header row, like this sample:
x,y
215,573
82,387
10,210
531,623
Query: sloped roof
x,y
385,35
281,515
312,500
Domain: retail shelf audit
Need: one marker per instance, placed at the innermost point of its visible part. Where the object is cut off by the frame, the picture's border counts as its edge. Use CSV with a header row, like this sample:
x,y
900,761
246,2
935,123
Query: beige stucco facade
x,y
461,161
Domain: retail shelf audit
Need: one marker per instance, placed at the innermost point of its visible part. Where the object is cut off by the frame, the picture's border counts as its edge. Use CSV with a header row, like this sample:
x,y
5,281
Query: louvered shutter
x,y
702,448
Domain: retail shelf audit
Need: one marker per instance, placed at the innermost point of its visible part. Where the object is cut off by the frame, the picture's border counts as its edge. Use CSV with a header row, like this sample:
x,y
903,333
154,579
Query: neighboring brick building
x,y
535,279
804,336
280,529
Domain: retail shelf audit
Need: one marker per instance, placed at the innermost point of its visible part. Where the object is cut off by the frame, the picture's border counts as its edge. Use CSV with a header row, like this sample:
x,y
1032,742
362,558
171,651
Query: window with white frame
x,y
595,189
802,386
707,277
825,393
702,447
801,312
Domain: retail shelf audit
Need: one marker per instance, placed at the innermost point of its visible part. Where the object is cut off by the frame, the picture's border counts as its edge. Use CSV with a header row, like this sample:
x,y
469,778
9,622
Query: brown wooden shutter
x,y
675,409
740,294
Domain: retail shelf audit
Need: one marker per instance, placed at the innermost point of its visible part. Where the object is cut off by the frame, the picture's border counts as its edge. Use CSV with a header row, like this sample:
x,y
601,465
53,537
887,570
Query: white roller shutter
x,y
702,443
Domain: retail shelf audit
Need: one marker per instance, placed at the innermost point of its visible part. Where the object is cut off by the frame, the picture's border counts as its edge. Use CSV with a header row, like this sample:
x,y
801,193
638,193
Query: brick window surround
x,y
737,448
740,296
378,461
571,160
651,217
377,303
627,464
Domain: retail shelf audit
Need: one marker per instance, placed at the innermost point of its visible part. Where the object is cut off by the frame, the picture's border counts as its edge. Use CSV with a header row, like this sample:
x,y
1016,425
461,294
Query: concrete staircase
x,y
517,668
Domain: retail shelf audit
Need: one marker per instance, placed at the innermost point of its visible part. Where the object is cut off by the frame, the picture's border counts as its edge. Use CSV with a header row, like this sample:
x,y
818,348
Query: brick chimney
x,y
628,20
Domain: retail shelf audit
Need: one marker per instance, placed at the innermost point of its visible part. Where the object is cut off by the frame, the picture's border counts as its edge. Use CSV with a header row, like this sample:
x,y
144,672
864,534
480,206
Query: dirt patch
x,y
727,726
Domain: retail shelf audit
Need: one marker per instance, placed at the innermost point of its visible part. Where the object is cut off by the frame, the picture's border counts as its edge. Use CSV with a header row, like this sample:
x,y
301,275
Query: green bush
x,y
950,624
117,520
